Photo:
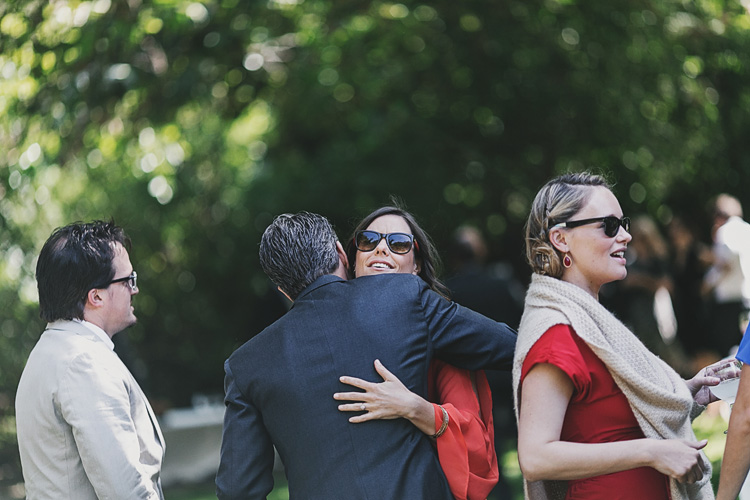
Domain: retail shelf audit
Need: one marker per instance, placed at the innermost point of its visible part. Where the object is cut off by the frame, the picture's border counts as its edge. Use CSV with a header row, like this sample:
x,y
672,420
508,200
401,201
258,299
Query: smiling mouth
x,y
620,255
381,265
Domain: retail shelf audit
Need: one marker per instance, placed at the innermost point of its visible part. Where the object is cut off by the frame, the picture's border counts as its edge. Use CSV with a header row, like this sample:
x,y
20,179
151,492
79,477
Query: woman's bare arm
x,y
542,455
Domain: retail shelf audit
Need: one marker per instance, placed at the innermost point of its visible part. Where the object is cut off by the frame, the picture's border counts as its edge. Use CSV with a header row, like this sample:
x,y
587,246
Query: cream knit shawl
x,y
658,396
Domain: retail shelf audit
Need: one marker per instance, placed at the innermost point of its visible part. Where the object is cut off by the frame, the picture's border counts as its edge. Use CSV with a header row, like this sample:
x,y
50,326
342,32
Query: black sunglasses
x,y
132,281
401,243
611,224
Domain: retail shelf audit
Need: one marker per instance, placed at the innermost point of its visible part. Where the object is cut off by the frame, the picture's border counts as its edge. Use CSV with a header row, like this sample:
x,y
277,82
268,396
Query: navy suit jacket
x,y
280,384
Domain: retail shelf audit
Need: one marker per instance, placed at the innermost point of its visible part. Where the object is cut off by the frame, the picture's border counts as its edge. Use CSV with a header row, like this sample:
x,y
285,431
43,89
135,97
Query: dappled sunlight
x,y
194,123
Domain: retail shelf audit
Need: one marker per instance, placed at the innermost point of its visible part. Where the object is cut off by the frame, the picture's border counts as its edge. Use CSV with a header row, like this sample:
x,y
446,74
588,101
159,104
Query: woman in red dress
x,y
389,240
599,416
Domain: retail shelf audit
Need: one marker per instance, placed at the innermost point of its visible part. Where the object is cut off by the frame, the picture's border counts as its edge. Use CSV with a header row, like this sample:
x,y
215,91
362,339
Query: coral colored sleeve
x,y
466,449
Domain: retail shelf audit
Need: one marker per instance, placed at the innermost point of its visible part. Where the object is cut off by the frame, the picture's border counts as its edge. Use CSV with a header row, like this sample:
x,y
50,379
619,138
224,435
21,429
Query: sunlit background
x,y
194,123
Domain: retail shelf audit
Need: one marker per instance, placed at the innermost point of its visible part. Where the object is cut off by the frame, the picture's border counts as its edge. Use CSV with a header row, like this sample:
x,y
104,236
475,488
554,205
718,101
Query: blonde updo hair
x,y
558,201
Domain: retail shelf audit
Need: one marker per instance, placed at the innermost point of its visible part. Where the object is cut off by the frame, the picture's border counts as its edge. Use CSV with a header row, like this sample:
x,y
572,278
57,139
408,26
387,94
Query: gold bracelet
x,y
444,425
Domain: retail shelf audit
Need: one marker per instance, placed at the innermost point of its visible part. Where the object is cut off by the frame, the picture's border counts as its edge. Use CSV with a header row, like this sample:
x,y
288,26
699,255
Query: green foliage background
x,y
193,123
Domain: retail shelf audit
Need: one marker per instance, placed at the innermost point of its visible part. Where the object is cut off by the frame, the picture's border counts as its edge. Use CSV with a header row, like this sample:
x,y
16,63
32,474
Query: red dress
x,y
466,449
598,412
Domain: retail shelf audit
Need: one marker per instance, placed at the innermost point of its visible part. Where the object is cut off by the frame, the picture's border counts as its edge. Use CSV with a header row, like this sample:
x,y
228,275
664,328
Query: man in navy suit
x,y
280,384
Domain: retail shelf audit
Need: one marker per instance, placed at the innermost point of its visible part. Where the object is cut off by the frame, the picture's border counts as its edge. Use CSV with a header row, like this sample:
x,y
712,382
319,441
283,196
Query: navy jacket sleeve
x,y
246,466
465,338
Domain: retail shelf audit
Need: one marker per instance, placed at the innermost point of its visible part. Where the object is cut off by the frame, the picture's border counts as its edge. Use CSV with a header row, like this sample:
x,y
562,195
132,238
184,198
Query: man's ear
x,y
342,270
342,255
285,294
94,298
558,239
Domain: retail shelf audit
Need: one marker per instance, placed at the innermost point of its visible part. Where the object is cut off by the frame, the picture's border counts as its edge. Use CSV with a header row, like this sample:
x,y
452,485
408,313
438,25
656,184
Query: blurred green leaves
x,y
193,123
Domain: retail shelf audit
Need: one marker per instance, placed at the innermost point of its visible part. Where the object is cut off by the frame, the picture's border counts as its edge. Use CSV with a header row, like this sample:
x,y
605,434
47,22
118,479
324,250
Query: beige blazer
x,y
85,428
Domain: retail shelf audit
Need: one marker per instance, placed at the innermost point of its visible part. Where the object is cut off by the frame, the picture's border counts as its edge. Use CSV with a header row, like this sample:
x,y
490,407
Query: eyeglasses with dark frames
x,y
400,243
132,281
611,224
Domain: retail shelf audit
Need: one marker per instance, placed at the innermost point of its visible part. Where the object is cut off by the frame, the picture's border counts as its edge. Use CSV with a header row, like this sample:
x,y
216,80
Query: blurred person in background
x,y
85,428
646,293
492,290
727,281
689,260
599,415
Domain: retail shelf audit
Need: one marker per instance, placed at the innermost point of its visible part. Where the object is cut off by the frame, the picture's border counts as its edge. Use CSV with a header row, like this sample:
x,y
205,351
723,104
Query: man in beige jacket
x,y
85,428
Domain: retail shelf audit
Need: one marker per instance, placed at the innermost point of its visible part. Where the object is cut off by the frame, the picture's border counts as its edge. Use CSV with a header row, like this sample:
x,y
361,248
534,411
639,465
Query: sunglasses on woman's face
x,y
611,224
367,241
